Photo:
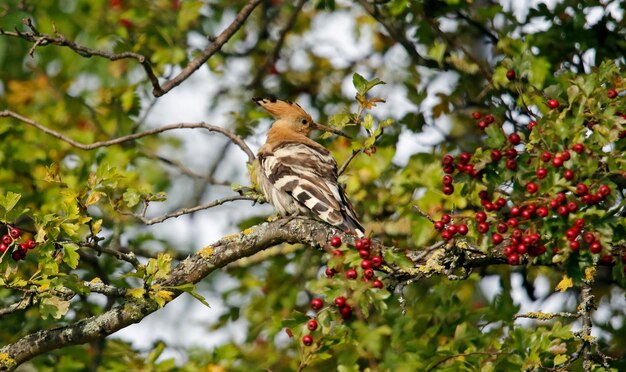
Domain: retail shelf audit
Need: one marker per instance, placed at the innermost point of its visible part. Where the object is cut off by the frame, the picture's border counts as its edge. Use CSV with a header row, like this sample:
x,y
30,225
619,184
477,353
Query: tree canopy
x,y
486,160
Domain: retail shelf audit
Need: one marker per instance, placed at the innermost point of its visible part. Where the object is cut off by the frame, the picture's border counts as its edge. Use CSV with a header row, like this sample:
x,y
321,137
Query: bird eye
x,y
304,121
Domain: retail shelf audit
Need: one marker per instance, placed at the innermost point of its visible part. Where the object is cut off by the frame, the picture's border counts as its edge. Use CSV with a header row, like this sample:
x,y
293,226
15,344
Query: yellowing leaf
x,y
166,295
135,292
96,226
590,272
564,284
94,197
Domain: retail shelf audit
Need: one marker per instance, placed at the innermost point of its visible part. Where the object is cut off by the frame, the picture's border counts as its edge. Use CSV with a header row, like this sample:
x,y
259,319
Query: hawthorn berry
x,y
17,255
568,174
532,124
377,284
482,227
513,259
572,233
512,222
496,155
574,245
358,245
330,272
340,301
346,312
572,206
377,261
546,156
447,160
578,148
562,211
595,247
452,229
541,173
489,119
317,303
335,241
483,194
496,239
364,254
557,161
446,235
579,223
439,225
508,250
511,153
542,212
368,273
351,274
566,155
514,139
531,188
476,115
462,229
14,232
581,189
552,103
31,244
588,237
446,218
482,124
510,74
307,340
611,93
366,264
447,180
312,325
447,189
511,164
464,157
367,243
3,248
481,216
604,190
337,252
7,240
501,227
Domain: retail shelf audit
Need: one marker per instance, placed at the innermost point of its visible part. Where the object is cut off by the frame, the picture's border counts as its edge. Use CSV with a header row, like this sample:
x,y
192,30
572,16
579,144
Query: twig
x,y
181,212
158,89
424,214
347,162
131,137
129,257
546,316
26,302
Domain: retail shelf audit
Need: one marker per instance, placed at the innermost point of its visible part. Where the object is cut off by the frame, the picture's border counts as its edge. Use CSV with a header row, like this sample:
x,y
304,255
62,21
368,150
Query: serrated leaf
x,y
53,306
135,292
10,200
70,254
94,197
96,226
368,122
131,197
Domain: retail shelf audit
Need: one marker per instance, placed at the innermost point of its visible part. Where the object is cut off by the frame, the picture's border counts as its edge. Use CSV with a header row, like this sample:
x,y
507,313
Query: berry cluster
x,y
10,244
367,262
521,215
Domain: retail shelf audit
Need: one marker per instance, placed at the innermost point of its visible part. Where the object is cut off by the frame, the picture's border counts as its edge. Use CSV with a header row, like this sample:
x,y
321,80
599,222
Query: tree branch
x,y
158,90
131,137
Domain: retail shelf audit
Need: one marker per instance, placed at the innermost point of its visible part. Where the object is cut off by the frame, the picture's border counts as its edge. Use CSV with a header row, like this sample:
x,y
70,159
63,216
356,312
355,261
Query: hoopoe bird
x,y
297,175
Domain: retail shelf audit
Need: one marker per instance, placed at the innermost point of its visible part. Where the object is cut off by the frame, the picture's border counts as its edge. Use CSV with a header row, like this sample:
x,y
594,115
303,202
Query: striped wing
x,y
309,175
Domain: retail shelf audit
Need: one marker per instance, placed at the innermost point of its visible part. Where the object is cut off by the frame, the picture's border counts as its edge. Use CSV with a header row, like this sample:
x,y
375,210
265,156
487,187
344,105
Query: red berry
x,y
501,227
335,241
330,272
572,233
483,194
482,125
562,211
377,284
368,273
364,254
606,259
452,229
448,169
446,218
604,190
512,222
560,198
500,203
7,240
572,206
447,180
574,245
312,325
541,173
366,264
611,93
496,155
515,211
351,274
307,340
346,312
377,261
513,259
510,74
17,255
447,160
566,155
3,248
531,188
579,223
464,157
317,303
511,164
588,237
496,239
579,148
521,248
557,161
340,301
489,119
481,216
14,232
595,247
439,225
532,124
546,156
31,244
568,174
482,227
476,115
358,245
514,138
581,189
462,229
552,103
446,235
447,189
508,250
511,153
542,212
367,243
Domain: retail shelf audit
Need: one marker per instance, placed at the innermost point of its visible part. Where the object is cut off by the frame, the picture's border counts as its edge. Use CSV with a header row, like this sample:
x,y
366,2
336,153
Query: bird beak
x,y
324,128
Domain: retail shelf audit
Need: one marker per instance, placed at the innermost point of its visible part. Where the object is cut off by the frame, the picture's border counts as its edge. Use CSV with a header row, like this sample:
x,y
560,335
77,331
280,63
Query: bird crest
x,y
282,109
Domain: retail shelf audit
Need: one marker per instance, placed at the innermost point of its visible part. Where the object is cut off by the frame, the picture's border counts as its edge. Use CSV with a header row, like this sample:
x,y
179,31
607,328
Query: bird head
x,y
290,116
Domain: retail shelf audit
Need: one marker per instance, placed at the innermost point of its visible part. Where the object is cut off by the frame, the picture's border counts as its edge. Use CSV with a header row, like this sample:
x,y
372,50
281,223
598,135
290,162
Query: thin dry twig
x,y
131,137
151,221
158,90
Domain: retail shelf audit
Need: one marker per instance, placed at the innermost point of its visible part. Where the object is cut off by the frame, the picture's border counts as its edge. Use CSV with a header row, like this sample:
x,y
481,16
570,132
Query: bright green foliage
x,y
418,67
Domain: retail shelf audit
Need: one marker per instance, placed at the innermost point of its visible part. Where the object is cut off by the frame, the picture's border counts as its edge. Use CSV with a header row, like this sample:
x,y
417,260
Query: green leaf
x,y
191,289
10,200
53,306
70,254
131,197
362,85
